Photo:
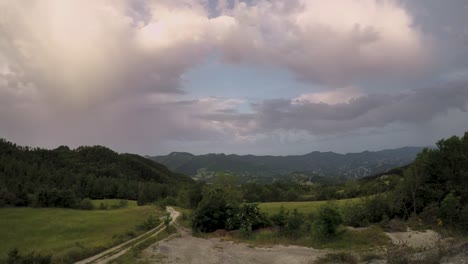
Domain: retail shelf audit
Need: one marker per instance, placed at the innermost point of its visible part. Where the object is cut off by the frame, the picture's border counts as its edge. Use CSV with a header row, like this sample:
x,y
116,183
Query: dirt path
x,y
117,251
193,250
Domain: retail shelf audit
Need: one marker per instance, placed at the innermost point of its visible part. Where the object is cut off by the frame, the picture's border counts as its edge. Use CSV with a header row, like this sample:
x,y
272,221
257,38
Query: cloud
x,y
327,41
82,52
342,95
365,111
112,72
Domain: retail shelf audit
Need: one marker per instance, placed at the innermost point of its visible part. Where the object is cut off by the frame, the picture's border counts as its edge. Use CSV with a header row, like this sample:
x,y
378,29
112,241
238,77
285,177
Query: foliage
x,y
213,211
328,220
149,223
464,218
294,223
86,204
355,214
340,257
297,168
280,218
14,257
62,177
450,209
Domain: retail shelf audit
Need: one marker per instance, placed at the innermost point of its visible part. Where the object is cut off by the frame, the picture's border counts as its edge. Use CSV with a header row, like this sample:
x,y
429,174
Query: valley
x,y
408,213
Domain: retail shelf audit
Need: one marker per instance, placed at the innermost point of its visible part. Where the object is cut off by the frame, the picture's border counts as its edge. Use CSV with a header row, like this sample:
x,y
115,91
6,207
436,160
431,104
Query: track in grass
x,y
63,231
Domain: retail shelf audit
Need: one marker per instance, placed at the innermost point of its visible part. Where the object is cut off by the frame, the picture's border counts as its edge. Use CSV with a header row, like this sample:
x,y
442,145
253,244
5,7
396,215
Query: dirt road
x,y
117,251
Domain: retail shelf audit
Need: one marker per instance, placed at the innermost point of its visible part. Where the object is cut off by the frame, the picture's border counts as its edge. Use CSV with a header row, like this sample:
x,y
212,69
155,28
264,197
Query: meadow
x,y
303,207
69,233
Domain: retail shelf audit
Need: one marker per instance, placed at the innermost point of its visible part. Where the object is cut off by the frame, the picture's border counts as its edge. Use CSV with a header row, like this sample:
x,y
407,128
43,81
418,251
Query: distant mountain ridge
x,y
328,164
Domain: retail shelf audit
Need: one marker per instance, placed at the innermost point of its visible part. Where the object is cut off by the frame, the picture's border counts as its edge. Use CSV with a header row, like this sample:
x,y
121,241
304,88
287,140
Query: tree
x,y
450,209
213,211
329,218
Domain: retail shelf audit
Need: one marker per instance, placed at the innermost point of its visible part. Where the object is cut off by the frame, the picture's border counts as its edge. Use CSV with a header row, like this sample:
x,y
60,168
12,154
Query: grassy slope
x,y
303,207
59,231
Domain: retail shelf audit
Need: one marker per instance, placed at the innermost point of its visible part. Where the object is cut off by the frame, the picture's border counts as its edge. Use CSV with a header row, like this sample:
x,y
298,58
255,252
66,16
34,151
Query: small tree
x,y
449,209
294,223
280,219
329,218
86,204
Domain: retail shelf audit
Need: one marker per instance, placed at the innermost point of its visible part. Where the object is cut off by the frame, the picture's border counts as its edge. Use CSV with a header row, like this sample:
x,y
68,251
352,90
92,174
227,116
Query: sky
x,y
272,77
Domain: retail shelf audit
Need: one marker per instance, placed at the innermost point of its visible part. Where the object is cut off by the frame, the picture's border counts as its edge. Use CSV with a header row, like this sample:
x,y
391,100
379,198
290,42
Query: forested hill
x,y
63,176
328,164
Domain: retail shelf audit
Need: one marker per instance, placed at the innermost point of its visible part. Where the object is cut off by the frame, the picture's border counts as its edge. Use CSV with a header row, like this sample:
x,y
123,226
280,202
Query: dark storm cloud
x,y
369,111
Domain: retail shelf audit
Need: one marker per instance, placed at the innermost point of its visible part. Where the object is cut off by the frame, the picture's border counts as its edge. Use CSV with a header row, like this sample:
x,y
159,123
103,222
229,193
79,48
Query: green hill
x,y
63,176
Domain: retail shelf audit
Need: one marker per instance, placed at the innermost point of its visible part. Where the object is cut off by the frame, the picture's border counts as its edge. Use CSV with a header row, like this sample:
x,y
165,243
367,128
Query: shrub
x,y
449,209
329,218
377,207
340,257
464,218
294,223
355,215
280,219
150,223
86,204
429,214
398,255
213,212
102,206
14,257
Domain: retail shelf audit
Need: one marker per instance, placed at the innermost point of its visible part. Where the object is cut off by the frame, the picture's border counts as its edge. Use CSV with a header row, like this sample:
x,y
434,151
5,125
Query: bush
x,y
355,215
449,209
377,207
340,257
86,204
429,214
294,223
213,212
464,218
14,257
280,219
398,255
395,225
150,223
329,218
122,204
102,206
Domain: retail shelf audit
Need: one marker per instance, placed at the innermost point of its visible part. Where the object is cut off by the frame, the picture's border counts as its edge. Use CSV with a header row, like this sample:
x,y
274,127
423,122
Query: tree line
x,y
62,177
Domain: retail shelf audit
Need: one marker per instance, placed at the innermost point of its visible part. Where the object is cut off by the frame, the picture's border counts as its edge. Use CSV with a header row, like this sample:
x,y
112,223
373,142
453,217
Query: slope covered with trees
x,y
62,177
313,166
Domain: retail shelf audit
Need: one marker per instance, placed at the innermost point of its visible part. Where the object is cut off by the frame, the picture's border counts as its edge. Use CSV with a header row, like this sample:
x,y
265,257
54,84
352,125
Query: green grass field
x,y
63,232
303,207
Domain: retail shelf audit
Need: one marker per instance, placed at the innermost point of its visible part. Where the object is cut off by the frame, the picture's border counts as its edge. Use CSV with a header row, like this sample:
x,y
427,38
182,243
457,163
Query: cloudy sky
x,y
233,76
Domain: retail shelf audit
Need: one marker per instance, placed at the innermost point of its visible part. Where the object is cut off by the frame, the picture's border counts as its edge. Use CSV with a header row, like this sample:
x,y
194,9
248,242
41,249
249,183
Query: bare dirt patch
x,y
189,249
415,239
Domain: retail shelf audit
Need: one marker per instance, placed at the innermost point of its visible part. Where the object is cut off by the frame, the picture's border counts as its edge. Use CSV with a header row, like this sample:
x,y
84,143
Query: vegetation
x,y
317,167
133,256
64,177
433,190
311,207
66,233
